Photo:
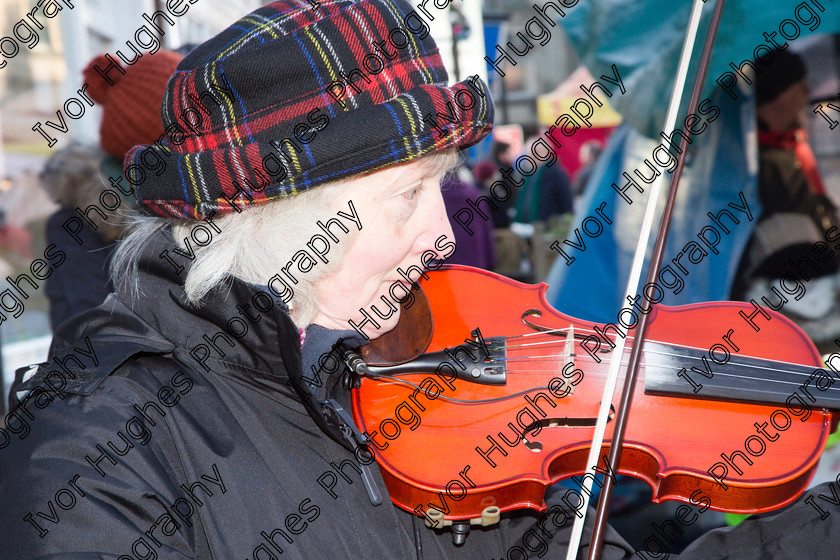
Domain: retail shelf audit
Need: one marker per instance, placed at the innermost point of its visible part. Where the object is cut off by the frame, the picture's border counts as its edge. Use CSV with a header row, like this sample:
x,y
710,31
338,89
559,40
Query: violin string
x,y
549,332
746,367
534,344
743,366
460,401
602,375
524,358
564,330
764,380
590,375
687,357
739,376
555,341
584,331
531,389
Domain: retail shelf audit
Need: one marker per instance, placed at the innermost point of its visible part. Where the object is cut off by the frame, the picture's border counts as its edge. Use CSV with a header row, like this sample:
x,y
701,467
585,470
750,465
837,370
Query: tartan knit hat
x,y
130,105
294,96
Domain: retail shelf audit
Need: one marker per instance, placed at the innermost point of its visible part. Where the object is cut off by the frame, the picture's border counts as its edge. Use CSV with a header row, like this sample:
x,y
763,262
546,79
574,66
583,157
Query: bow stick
x,y
626,399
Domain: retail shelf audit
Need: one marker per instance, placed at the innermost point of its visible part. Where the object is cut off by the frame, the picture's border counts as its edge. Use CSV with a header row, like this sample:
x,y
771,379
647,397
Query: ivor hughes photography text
x,y
419,279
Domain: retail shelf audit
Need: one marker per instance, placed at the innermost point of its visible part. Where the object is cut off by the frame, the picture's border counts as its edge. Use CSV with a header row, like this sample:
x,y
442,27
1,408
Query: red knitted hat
x,y
131,107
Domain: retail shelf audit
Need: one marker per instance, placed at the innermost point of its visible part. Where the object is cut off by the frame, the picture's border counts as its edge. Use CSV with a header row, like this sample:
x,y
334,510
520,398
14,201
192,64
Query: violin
x,y
460,443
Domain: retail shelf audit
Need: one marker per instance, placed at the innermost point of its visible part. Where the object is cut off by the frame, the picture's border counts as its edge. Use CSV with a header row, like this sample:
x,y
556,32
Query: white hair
x,y
252,245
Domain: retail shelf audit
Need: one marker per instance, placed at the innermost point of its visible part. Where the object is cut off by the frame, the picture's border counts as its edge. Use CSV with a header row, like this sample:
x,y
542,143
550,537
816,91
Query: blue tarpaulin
x,y
643,40
721,166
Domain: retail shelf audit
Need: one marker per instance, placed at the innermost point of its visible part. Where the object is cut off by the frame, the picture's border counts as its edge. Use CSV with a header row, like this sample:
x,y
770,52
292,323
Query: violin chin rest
x,y
408,339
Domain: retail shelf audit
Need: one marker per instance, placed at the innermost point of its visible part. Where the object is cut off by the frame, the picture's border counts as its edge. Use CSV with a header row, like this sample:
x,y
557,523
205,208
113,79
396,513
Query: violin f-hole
x,y
566,422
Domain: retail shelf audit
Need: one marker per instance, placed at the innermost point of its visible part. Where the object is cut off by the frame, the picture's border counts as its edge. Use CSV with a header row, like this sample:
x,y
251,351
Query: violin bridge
x,y
569,349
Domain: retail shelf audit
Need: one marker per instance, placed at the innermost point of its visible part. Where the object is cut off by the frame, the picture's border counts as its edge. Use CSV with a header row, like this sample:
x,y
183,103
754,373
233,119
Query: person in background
x,y
485,173
546,194
71,178
476,250
588,154
75,177
796,211
502,154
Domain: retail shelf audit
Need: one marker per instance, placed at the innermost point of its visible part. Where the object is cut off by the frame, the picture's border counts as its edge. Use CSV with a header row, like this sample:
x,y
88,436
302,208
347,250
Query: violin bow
x,y
614,458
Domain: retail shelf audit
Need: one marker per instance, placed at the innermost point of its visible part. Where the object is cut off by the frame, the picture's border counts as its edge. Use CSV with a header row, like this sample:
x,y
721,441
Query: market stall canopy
x,y
557,102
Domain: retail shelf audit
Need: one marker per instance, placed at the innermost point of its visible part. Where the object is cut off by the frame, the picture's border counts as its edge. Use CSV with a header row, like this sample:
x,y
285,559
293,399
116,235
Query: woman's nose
x,y
437,224
443,226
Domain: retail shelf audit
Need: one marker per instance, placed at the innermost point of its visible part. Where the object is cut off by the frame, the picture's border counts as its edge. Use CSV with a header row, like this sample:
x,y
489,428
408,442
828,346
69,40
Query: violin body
x,y
542,429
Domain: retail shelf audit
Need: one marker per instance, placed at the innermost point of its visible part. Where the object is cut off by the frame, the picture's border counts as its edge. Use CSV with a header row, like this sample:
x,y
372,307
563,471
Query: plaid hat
x,y
130,105
786,69
291,97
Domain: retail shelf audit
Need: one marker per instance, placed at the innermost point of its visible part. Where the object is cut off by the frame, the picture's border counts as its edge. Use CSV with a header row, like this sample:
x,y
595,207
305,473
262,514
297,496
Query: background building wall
x,y
34,84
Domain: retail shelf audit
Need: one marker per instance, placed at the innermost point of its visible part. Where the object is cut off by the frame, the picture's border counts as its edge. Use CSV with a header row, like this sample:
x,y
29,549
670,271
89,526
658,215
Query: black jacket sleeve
x,y
800,531
88,482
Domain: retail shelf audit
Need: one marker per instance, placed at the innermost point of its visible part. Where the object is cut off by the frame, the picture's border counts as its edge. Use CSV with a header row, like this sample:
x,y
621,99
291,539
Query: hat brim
x,y
422,120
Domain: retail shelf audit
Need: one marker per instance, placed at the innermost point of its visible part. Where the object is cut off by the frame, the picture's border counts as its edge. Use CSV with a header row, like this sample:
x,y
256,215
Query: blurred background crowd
x,y
40,186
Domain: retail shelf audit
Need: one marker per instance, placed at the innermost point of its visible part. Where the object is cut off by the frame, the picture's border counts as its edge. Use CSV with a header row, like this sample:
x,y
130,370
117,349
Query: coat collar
x,y
228,320
260,348
226,333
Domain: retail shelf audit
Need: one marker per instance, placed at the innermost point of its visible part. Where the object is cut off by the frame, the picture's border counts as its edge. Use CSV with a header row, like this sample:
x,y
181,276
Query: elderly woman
x,y
293,201
295,198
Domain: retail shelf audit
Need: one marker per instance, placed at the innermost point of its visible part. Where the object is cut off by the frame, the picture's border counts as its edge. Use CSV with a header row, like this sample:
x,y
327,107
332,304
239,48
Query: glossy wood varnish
x,y
670,441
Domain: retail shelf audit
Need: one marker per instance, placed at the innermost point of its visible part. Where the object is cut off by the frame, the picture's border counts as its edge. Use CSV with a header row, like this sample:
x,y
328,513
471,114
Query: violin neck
x,y
692,373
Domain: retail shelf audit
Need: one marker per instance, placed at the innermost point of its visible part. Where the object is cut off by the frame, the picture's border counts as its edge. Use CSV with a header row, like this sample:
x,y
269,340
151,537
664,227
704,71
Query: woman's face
x,y
402,214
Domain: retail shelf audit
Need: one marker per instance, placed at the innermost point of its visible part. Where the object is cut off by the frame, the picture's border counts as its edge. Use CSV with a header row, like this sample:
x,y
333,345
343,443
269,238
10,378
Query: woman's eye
x,y
411,194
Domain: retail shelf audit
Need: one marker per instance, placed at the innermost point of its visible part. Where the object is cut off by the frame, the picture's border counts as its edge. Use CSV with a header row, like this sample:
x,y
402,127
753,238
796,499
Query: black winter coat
x,y
783,187
165,431
157,433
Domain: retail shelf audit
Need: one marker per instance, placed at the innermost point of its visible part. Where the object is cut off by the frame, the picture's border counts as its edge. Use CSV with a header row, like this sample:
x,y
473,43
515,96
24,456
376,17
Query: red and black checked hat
x,y
294,96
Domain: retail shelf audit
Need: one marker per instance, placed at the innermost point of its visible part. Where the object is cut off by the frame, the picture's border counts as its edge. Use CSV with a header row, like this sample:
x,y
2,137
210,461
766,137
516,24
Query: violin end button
x,y
460,530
